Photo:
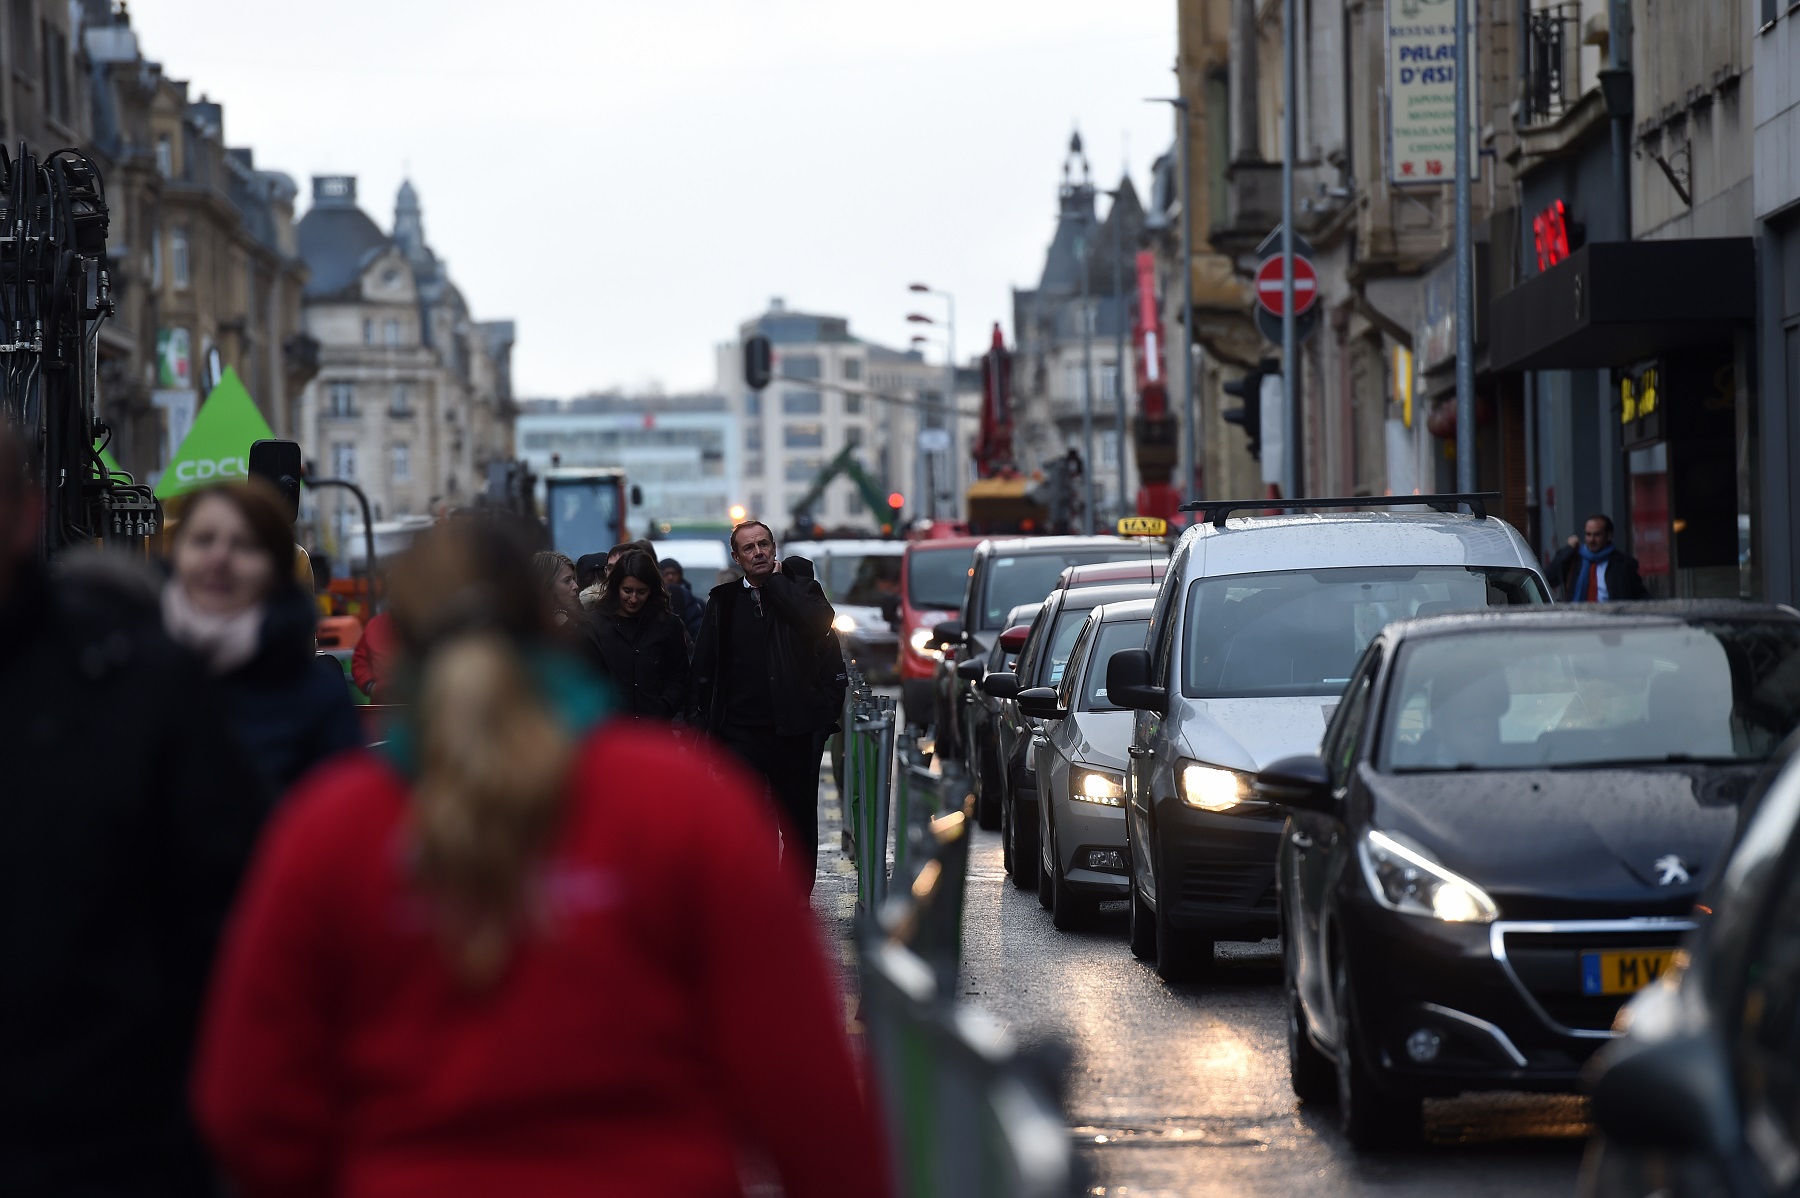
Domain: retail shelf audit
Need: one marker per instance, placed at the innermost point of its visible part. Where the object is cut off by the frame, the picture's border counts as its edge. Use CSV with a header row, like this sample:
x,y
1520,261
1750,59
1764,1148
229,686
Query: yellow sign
x,y
1143,526
1637,396
1401,373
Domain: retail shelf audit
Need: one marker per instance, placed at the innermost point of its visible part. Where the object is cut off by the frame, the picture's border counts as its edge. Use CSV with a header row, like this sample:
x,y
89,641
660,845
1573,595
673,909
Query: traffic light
x,y
1249,417
759,362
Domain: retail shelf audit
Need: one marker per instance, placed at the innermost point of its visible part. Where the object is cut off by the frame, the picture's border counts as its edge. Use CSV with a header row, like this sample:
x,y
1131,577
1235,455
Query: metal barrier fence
x,y
968,1116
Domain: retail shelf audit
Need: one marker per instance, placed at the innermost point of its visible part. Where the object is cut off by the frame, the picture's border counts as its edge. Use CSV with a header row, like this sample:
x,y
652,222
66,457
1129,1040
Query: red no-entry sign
x,y
1268,284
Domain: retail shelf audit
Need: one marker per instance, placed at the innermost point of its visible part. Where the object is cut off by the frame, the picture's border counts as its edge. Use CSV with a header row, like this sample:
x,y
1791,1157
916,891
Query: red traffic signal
x,y
896,501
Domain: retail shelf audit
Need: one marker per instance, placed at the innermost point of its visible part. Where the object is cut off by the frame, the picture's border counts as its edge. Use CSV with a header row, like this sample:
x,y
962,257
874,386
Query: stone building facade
x,y
413,397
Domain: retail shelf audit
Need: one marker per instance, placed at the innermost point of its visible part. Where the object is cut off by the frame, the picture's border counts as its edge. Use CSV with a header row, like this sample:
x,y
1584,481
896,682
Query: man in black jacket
x,y
1593,569
768,680
127,815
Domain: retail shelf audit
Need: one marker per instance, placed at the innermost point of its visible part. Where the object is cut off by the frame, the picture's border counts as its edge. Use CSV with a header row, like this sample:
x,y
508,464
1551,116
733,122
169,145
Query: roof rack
x,y
1217,511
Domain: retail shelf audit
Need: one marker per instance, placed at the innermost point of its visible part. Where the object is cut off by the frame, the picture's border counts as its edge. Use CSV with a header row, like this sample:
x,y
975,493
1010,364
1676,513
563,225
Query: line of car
x,y
1478,823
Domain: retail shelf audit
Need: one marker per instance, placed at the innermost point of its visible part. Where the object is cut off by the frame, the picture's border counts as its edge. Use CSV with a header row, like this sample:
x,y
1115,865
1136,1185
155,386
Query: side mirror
x,y
970,670
1000,684
1013,639
945,635
1302,783
1671,1094
637,495
1039,702
1128,682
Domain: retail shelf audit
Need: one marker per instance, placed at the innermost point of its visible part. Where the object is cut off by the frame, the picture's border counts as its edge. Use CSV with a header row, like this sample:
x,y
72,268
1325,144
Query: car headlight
x,y
844,623
1406,880
1211,788
918,641
1106,787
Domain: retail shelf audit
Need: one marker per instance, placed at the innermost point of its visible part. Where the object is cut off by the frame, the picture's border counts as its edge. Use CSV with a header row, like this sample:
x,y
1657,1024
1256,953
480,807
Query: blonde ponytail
x,y
491,756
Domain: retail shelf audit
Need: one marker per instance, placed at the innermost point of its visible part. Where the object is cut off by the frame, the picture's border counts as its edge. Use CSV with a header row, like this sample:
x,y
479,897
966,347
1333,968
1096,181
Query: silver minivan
x,y
1253,636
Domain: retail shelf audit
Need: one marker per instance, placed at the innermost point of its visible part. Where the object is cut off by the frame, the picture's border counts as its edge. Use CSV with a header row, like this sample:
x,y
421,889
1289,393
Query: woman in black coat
x,y
234,602
644,646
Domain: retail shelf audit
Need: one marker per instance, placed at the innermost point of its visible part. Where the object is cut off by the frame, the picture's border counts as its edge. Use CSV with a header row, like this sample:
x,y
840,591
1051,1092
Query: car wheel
x,y
1068,910
1313,1074
1142,933
1181,955
1008,817
1369,1116
987,788
1023,837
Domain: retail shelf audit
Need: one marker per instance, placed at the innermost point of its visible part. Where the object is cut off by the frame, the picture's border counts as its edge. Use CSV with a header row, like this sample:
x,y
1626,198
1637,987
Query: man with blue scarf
x,y
1597,571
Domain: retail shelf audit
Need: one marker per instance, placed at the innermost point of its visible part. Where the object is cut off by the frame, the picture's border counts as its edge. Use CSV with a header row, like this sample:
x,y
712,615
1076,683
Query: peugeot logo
x,y
1670,870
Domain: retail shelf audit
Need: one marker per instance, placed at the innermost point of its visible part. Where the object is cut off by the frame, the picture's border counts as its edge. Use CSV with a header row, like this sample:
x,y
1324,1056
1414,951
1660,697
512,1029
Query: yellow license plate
x,y
1143,526
1624,971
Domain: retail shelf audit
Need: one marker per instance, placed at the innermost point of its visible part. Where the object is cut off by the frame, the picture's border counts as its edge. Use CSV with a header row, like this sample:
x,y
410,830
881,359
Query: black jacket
x,y
127,815
1623,582
687,608
647,660
289,708
808,667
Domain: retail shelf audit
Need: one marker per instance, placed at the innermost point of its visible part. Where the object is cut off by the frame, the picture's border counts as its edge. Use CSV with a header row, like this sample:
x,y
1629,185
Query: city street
x,y
1183,1090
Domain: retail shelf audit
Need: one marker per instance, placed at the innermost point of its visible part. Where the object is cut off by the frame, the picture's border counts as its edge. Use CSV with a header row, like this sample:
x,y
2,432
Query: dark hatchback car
x,y
1004,574
1040,663
1505,836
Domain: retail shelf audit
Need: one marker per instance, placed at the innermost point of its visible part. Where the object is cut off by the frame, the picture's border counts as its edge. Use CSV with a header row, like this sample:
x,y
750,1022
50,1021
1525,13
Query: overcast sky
x,y
629,181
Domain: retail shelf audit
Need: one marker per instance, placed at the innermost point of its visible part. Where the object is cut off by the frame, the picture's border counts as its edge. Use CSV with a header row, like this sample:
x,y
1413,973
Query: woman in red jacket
x,y
526,952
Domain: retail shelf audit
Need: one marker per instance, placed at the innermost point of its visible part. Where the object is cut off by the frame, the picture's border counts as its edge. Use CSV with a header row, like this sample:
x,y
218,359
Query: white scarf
x,y
224,642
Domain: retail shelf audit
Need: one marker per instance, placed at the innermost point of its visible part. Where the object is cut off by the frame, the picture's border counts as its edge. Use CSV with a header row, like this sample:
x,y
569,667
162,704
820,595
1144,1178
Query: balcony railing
x,y
1552,62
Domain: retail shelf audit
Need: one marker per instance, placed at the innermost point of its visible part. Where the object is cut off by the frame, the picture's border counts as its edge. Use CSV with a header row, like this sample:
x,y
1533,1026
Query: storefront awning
x,y
1612,303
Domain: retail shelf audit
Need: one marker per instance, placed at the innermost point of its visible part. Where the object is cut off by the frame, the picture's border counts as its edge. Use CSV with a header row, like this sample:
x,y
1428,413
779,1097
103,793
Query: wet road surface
x,y
1183,1090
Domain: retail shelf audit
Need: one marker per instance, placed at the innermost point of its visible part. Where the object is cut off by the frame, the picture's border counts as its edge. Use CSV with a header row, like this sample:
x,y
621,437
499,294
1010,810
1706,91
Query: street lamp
x,y
949,369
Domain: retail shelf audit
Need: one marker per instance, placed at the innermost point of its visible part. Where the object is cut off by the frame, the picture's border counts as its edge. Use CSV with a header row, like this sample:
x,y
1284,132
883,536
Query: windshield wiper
x,y
1634,762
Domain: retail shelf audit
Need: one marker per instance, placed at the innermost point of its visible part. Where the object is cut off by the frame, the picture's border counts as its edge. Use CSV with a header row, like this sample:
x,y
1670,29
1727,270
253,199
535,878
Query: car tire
x,y
987,787
1068,910
1045,895
1023,837
1008,816
1141,931
1313,1074
1369,1116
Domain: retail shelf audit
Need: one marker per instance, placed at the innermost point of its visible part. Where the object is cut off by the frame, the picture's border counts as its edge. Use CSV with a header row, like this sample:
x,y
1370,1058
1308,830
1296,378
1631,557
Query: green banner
x,y
107,460
217,448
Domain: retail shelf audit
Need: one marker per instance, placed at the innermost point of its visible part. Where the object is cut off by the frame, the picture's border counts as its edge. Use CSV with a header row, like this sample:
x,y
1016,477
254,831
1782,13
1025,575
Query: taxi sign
x,y
1143,526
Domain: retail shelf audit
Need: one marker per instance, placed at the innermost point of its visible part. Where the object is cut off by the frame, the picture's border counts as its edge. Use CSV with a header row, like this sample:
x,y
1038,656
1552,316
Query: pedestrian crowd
x,y
549,936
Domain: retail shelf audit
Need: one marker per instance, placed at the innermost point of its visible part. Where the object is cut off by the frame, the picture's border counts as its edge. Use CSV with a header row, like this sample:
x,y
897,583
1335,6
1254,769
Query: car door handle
x,y
1137,752
1300,840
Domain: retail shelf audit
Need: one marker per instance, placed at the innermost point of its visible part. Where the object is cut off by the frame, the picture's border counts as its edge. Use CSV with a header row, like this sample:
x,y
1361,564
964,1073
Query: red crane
x,y
1153,431
994,447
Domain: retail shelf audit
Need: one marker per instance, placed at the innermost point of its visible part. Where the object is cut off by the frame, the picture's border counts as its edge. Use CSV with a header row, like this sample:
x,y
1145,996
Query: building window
x,y
799,366
802,403
753,437
853,435
340,399
178,257
24,39
853,405
1109,381
753,404
402,405
165,155
852,368
368,332
156,260
756,502
56,72
401,459
803,436
343,460
390,332
803,470
753,464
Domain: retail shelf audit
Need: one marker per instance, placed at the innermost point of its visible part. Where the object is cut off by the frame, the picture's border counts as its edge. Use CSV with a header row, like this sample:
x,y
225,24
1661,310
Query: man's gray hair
x,y
736,528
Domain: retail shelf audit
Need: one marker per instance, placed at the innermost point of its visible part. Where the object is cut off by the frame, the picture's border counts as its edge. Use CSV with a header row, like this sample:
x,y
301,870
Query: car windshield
x,y
937,578
1062,643
1526,699
1028,577
862,581
1301,632
1117,635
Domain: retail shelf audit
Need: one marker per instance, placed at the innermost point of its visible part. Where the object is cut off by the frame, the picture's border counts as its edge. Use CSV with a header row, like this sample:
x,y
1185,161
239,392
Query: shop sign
x,y
1550,233
174,359
1421,92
